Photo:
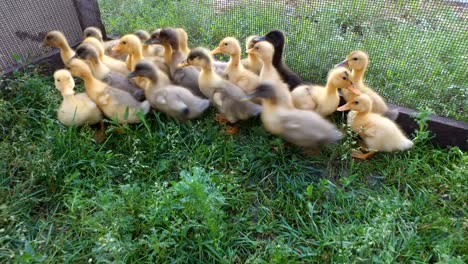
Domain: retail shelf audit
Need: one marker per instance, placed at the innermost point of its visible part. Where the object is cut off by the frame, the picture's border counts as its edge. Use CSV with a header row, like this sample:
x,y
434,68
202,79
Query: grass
x,y
163,191
417,48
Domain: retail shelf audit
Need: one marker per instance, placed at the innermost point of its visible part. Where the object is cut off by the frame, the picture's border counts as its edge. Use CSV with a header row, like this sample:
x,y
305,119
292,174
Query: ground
x,y
164,191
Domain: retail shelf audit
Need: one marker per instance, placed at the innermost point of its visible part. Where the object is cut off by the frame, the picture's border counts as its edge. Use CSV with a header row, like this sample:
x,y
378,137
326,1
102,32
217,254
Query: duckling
x,y
252,62
183,41
265,50
56,39
113,64
300,127
277,39
358,61
75,109
235,71
131,45
173,56
96,33
176,101
323,100
101,72
149,50
378,132
113,102
223,94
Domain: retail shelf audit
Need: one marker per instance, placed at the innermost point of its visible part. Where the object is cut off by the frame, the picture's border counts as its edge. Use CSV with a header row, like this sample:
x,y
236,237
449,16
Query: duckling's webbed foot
x,y
232,129
363,156
100,135
221,119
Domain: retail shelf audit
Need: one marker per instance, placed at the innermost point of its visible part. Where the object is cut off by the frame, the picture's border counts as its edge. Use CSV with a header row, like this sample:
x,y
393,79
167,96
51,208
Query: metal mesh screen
x,y
418,49
23,24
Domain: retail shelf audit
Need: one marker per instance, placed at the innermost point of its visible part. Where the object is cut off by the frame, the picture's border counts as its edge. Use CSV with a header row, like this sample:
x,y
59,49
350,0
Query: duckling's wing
x,y
120,81
233,103
307,128
121,97
188,78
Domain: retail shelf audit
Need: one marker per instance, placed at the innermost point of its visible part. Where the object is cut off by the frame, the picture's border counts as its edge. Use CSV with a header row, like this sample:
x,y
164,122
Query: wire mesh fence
x,y
23,25
418,49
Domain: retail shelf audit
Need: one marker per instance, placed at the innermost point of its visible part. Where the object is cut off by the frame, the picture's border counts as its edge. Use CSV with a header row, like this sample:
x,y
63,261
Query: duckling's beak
x,y
344,107
248,97
117,48
183,64
216,51
250,50
353,89
258,39
342,64
44,44
131,75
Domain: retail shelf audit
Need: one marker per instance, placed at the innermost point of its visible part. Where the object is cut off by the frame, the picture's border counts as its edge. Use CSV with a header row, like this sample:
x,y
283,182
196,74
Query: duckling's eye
x,y
68,68
257,48
356,102
344,78
58,80
124,42
355,59
225,44
49,37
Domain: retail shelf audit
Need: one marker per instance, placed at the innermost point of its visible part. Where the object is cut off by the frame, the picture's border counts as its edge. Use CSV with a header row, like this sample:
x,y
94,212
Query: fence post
x,y
89,15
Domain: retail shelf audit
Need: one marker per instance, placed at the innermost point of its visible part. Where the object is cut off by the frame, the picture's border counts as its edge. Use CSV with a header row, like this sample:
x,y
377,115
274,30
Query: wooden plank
x,y
89,15
446,131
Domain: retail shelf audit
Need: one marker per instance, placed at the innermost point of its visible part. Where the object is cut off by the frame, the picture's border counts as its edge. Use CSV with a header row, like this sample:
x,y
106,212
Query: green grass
x,y
417,49
167,192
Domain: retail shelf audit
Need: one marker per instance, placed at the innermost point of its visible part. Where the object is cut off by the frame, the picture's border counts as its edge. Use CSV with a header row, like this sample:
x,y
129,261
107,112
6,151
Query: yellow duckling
x,y
149,50
75,109
300,127
176,101
115,79
94,32
252,62
131,45
265,50
223,94
113,64
378,132
56,39
323,100
358,61
183,41
235,71
219,66
114,103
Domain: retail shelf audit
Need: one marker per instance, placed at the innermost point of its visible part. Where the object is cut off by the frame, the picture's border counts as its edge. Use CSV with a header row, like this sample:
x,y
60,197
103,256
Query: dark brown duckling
x,y
277,39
